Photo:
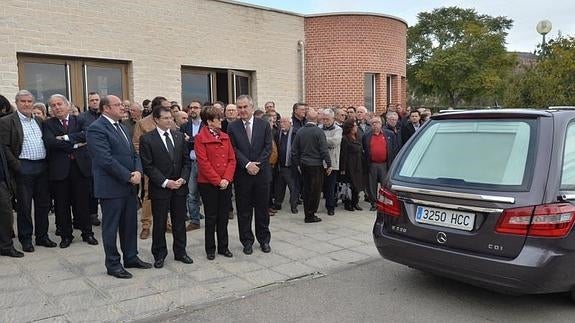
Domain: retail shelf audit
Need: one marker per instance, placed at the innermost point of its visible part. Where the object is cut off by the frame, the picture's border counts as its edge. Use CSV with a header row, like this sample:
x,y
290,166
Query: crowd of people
x,y
172,161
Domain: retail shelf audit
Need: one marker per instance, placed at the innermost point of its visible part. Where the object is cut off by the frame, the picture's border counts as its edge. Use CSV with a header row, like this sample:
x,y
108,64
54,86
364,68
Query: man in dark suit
x,y
252,141
411,126
6,217
91,114
117,170
26,157
165,160
70,169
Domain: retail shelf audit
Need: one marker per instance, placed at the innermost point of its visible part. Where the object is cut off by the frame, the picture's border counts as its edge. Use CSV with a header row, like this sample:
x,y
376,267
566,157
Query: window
x,y
210,85
196,85
484,153
568,173
72,77
369,91
389,89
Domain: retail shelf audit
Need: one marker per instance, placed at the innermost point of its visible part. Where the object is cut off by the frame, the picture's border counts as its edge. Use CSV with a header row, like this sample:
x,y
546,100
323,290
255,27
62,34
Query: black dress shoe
x,y
138,263
248,250
65,243
46,242
312,219
349,208
211,256
185,259
122,274
266,248
330,212
159,263
94,219
12,252
357,207
294,210
226,253
90,240
373,208
27,246
57,232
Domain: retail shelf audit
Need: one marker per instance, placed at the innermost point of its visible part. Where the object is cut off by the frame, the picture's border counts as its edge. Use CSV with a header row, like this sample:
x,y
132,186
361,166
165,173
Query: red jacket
x,y
216,158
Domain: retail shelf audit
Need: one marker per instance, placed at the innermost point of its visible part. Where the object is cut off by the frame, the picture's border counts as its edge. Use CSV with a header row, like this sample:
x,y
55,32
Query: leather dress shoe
x,y
122,274
90,240
192,226
330,212
266,247
226,253
185,259
27,246
46,242
373,208
211,256
248,250
94,220
145,234
65,243
312,219
357,207
138,263
159,263
12,252
294,210
349,208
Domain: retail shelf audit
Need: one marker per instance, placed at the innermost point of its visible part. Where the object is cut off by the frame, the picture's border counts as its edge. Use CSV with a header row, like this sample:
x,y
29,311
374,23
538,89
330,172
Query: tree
x,y
458,55
551,81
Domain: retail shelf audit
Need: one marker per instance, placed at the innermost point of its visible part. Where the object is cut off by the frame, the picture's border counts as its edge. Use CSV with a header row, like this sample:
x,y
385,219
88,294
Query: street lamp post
x,y
543,28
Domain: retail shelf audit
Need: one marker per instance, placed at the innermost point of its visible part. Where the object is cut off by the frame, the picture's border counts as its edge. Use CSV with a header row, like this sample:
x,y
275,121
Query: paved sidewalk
x,y
71,285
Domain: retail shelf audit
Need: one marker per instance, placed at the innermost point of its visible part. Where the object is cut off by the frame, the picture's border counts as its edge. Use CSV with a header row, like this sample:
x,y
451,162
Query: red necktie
x,y
65,124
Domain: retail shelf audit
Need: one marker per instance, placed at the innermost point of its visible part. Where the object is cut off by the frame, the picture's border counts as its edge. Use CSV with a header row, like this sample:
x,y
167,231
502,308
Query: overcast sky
x,y
525,14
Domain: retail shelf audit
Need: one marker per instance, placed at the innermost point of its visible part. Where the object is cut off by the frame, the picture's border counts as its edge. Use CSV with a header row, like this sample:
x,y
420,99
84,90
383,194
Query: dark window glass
x,y
43,80
195,85
104,80
369,92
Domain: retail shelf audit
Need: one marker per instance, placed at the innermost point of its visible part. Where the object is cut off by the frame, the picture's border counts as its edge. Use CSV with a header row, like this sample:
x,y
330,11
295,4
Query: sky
x,y
525,13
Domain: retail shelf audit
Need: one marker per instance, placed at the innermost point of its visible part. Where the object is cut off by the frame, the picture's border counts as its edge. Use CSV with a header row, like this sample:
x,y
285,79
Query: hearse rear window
x,y
460,153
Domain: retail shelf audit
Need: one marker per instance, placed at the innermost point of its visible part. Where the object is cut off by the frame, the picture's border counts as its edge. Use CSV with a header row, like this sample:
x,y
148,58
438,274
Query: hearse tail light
x,y
547,220
388,203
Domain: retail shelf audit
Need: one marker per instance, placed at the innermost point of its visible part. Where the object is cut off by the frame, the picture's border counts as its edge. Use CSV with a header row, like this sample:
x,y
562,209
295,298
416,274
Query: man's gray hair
x,y
245,97
390,113
24,93
59,96
328,112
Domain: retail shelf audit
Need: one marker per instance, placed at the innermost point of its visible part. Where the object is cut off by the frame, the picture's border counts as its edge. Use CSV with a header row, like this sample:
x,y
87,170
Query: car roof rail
x,y
561,107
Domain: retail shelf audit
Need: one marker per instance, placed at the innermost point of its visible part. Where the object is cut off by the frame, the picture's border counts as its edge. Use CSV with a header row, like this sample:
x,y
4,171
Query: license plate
x,y
445,218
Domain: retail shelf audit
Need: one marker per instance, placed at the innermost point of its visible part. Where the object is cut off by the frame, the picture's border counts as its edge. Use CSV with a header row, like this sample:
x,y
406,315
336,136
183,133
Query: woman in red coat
x,y
216,166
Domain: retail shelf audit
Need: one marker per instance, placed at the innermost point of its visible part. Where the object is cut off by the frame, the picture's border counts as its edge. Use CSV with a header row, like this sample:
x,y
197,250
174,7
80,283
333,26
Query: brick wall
x,y
340,49
157,37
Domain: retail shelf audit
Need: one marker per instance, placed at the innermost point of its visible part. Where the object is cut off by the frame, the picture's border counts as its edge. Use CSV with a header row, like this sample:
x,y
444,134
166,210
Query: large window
x,y
389,89
460,153
369,91
568,174
209,85
72,77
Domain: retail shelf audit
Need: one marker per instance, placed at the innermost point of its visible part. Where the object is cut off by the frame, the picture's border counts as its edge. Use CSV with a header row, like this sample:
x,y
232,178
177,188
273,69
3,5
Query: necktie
x,y
65,124
288,149
249,131
121,133
170,145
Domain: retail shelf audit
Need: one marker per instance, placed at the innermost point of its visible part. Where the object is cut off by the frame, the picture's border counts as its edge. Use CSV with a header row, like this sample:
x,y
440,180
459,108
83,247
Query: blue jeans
x,y
193,199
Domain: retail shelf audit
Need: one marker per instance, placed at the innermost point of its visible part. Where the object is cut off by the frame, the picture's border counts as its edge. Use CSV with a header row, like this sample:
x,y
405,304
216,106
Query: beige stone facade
x,y
156,39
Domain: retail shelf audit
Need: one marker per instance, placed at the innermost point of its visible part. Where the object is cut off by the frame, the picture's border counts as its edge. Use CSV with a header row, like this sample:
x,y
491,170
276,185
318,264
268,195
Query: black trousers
x,y
176,205
33,184
6,217
312,185
329,188
252,194
72,192
286,177
217,205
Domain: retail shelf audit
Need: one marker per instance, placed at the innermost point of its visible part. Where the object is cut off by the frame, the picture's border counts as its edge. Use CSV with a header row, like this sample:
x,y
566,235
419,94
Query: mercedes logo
x,y
441,237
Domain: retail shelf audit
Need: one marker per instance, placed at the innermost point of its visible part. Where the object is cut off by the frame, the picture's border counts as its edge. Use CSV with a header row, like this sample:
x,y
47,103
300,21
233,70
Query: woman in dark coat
x,y
351,163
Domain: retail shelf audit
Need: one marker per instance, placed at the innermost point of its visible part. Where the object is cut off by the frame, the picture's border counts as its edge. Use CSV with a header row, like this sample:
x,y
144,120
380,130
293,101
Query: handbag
x,y
343,191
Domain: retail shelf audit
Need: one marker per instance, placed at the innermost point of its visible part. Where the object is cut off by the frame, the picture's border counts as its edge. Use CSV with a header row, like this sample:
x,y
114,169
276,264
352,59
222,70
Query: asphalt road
x,y
381,291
